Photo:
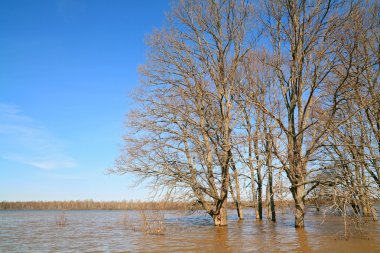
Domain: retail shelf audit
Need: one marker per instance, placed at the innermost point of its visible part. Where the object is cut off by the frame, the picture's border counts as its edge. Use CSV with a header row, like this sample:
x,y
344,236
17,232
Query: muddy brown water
x,y
123,231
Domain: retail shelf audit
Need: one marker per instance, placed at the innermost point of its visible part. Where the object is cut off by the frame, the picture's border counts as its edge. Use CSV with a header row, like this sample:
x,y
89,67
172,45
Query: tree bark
x,y
236,197
299,202
259,214
271,204
220,218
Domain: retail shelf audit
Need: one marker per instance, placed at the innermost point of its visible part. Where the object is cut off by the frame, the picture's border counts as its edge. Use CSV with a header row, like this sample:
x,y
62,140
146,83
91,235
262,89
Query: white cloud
x,y
52,164
48,162
27,141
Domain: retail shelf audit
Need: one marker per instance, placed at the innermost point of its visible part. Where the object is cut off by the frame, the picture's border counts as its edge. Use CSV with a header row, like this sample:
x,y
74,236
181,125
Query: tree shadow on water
x,y
303,242
221,240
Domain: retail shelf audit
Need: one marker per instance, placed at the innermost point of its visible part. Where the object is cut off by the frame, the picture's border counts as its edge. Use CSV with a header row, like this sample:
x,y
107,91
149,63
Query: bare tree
x,y
181,134
256,127
215,111
302,40
251,136
367,84
352,146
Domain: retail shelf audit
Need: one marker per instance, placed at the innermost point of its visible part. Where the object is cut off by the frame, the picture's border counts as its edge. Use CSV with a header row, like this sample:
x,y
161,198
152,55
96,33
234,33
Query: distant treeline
x,y
93,205
117,205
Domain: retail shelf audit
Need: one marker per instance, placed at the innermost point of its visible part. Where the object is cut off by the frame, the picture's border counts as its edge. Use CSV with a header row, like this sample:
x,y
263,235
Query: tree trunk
x,y
237,200
259,214
220,218
239,210
298,195
267,202
257,137
271,196
254,193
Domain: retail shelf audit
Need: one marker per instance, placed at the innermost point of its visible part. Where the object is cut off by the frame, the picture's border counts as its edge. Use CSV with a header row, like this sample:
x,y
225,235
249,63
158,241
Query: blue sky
x,y
66,69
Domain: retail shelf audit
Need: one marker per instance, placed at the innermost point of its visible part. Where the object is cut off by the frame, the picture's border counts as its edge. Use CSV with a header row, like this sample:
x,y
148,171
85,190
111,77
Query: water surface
x,y
124,231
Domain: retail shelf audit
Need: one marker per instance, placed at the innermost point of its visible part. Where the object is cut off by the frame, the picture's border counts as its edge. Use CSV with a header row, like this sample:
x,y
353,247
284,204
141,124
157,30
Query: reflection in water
x,y
114,231
221,239
302,240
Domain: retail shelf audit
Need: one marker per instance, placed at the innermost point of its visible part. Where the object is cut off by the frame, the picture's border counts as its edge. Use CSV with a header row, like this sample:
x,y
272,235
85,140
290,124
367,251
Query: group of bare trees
x,y
245,98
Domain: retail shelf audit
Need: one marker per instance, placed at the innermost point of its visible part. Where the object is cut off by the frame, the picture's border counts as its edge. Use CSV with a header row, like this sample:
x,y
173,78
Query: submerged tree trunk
x,y
259,214
272,204
270,194
237,200
253,190
267,202
270,200
239,208
251,159
220,218
299,202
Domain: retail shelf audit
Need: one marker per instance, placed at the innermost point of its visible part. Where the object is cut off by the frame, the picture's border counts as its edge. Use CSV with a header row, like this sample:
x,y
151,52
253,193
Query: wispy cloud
x,y
27,141
47,162
51,175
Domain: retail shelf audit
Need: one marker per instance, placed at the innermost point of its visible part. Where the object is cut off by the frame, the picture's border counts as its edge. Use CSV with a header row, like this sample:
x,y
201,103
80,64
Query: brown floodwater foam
x,y
178,231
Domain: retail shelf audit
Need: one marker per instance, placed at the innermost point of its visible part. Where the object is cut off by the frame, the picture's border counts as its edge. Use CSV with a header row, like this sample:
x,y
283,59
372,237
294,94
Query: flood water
x,y
123,231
